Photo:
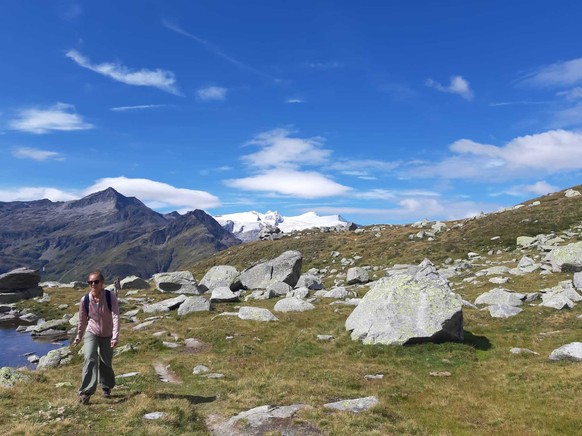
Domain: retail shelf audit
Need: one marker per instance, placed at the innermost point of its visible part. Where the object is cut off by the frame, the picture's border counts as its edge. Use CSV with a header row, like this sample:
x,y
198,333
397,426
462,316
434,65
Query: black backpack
x,y
86,301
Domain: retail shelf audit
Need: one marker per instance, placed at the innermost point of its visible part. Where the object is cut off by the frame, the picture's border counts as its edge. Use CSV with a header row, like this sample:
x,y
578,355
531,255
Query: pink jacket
x,y
101,321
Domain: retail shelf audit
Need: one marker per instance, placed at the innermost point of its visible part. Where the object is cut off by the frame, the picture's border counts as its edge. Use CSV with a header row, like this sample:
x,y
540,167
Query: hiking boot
x,y
84,398
107,392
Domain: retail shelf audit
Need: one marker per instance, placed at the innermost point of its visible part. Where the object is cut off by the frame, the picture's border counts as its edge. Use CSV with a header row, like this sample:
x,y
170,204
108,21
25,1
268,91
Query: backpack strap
x,y
86,301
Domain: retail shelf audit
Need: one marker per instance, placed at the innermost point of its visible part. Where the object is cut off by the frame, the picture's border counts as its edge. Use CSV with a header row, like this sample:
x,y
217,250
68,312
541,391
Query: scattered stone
x,y
165,374
10,376
182,282
193,304
55,358
325,338
152,416
199,369
256,314
522,351
440,374
503,310
357,275
374,376
293,304
263,420
571,351
356,405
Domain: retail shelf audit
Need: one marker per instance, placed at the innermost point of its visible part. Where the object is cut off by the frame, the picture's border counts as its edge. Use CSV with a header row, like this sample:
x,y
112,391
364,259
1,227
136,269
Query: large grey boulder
x,y
19,279
407,309
220,275
194,303
293,304
500,296
262,420
357,275
256,314
310,281
10,376
571,351
164,306
285,268
223,294
55,358
182,282
134,282
19,284
567,258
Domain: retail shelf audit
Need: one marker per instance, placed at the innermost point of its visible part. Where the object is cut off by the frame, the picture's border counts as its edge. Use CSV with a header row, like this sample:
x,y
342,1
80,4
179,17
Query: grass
x,y
489,390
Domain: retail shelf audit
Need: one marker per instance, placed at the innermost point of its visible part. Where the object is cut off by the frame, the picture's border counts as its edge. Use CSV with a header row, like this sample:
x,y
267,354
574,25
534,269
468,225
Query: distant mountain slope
x,y
386,244
248,225
104,230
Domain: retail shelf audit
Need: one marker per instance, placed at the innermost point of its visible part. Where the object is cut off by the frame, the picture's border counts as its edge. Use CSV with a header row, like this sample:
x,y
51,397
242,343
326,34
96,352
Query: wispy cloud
x,y
457,86
294,100
36,154
560,74
158,78
137,107
518,103
215,50
60,117
324,65
363,168
157,195
571,94
212,93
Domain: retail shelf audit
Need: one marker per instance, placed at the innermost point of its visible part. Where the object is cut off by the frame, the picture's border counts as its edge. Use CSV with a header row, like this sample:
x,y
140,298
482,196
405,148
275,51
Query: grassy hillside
x,y
472,388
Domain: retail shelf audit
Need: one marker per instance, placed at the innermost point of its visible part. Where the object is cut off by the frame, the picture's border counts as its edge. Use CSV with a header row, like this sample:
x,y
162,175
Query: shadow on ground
x,y
192,399
478,342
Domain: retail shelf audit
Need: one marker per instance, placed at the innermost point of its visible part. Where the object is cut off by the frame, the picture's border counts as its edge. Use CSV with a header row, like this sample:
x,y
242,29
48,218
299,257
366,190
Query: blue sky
x,y
380,111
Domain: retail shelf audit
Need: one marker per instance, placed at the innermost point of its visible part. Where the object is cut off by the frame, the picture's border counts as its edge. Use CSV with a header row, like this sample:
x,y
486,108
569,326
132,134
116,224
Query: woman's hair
x,y
99,274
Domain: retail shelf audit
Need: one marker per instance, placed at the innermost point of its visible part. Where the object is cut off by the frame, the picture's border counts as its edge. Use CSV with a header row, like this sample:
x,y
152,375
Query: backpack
x,y
86,301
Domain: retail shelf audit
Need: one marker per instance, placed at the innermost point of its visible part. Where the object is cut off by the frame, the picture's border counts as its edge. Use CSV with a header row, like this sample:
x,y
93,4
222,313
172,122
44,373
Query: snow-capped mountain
x,y
247,226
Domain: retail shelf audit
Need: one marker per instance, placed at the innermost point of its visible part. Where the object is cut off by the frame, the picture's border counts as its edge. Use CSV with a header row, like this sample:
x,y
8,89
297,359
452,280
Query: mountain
x,y
106,230
247,226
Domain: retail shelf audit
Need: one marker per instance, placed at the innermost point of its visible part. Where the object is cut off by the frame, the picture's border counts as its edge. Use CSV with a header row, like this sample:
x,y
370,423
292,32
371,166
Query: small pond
x,y
15,345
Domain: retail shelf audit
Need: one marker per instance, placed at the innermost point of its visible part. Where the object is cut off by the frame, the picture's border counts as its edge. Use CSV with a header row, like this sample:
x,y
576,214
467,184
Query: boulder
x,y
19,279
571,351
194,303
357,275
293,304
164,306
8,297
223,294
310,281
500,296
10,376
407,309
355,405
219,276
182,282
134,282
503,310
567,258
256,314
263,420
279,288
285,268
55,358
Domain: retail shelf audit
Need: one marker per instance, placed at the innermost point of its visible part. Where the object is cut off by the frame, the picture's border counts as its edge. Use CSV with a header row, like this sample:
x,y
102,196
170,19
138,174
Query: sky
x,y
379,111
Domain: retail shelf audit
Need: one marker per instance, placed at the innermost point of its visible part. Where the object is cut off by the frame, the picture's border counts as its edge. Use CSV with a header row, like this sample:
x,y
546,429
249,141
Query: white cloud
x,y
538,188
157,194
292,183
327,65
545,153
412,209
212,93
363,168
278,149
161,79
59,117
568,117
559,74
294,100
36,154
137,107
36,193
458,86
